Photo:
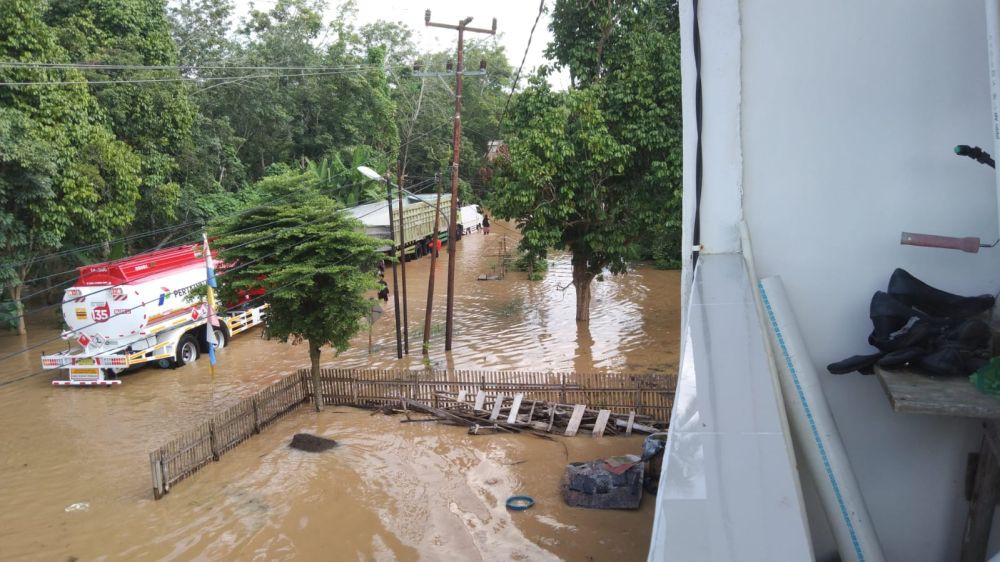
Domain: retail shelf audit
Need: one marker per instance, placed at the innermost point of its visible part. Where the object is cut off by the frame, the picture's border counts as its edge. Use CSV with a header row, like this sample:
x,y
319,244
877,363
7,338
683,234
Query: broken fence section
x,y
649,395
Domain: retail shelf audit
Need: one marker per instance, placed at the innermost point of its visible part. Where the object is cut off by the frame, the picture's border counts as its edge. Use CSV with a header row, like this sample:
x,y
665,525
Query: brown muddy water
x,y
74,473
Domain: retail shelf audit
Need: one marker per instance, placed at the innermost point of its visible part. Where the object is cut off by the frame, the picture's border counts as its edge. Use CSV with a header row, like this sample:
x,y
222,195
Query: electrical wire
x,y
102,66
180,79
517,76
106,288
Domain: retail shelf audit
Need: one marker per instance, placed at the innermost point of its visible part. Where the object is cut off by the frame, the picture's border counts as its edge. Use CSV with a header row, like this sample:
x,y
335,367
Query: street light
x,y
373,175
370,173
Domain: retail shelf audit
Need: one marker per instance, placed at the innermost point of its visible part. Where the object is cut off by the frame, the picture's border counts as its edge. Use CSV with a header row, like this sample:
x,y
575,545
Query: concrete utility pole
x,y
430,276
402,259
462,27
395,279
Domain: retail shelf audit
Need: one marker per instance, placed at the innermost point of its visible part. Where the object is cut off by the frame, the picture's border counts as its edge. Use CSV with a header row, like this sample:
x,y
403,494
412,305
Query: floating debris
x,y
78,506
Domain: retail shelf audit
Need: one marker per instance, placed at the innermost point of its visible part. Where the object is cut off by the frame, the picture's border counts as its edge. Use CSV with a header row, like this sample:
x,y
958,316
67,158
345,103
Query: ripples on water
x,y
392,491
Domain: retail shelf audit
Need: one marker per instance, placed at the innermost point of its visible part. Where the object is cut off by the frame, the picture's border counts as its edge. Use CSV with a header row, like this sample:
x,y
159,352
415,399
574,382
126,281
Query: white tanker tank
x,y
137,310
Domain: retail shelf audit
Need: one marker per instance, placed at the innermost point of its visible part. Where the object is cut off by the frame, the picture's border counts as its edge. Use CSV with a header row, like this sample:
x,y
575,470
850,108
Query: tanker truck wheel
x,y
187,351
220,338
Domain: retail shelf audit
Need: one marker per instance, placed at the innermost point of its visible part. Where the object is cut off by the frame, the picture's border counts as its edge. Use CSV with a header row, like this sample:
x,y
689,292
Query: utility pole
x,y
462,27
430,276
402,258
395,280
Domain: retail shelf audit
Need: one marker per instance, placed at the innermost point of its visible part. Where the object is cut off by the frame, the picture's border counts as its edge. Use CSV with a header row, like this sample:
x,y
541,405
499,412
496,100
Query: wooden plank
x,y
480,398
461,396
631,420
913,393
496,407
574,420
601,423
515,407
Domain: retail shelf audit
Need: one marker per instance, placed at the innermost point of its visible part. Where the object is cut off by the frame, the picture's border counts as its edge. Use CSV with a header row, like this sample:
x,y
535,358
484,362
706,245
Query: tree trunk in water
x,y
581,282
314,358
15,295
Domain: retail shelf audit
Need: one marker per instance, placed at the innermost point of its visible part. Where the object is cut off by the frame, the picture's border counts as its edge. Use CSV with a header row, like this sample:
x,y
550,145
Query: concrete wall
x,y
849,113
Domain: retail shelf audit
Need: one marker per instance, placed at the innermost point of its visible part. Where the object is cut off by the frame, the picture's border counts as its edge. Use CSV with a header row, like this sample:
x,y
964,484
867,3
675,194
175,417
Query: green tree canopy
x,y
314,261
62,173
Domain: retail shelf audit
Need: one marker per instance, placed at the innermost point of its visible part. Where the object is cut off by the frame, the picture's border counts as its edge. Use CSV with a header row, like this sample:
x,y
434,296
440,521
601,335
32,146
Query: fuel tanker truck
x,y
139,310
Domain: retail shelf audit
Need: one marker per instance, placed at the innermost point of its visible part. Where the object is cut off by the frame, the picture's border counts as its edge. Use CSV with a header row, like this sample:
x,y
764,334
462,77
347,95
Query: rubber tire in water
x,y
187,351
220,339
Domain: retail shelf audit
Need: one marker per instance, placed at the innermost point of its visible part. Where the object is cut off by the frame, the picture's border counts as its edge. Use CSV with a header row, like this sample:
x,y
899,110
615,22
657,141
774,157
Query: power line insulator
x,y
482,64
427,17
449,66
418,66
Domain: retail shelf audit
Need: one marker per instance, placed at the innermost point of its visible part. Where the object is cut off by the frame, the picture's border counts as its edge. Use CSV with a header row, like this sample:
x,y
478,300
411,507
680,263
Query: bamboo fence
x,y
206,442
647,394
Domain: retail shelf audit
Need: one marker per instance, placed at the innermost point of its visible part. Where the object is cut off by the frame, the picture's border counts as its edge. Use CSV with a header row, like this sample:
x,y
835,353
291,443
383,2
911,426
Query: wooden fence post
x,y
562,389
212,442
157,469
305,384
256,414
638,394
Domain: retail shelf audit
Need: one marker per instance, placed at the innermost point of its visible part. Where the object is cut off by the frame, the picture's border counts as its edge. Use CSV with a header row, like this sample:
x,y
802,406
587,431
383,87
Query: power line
x,y
102,66
96,245
105,288
191,286
517,76
182,79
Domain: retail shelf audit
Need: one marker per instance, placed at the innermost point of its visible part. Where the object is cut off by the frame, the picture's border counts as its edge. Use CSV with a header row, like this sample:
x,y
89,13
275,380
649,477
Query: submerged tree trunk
x,y
15,295
582,276
314,351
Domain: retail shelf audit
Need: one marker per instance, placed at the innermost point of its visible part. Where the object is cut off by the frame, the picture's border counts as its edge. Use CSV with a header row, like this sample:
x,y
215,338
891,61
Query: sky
x,y
514,21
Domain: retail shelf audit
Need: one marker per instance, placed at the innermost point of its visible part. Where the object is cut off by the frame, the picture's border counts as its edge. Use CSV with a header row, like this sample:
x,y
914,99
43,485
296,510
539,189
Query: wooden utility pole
x,y
402,259
430,276
395,280
462,27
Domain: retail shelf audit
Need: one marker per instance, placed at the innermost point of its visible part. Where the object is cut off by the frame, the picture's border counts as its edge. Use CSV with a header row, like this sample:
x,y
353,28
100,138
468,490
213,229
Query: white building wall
x,y
849,113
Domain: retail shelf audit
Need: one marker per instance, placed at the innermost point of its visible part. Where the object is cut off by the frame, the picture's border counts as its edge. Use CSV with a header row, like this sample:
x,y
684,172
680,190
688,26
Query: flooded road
x,y
74,473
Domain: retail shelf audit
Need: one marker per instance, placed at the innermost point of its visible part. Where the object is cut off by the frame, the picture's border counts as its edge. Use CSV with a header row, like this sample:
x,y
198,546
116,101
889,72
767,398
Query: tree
x,y
62,172
597,170
154,118
314,261
630,51
560,184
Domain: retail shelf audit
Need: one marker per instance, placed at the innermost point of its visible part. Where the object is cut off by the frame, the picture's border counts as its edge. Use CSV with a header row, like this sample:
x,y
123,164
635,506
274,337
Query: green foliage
x,y
154,118
560,183
63,174
630,51
314,261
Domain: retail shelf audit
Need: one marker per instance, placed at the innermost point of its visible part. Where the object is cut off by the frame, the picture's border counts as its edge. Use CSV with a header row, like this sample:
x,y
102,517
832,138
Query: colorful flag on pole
x,y
213,320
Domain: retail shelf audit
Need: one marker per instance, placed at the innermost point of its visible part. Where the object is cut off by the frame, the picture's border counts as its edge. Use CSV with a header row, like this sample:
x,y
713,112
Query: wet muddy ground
x,y
74,474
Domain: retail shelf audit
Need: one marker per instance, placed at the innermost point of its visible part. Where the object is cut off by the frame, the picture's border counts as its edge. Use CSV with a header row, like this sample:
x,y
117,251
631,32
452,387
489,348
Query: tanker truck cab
x,y
139,310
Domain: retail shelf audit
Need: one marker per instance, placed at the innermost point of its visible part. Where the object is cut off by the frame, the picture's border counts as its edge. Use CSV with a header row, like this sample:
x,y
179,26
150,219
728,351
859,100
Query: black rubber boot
x,y
863,364
921,334
901,358
911,291
888,316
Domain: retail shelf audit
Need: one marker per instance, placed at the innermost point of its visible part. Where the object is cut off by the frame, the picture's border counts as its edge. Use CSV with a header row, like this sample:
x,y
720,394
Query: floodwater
x,y
75,479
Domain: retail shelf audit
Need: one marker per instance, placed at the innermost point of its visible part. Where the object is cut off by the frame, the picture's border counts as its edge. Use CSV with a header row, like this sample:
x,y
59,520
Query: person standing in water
x,y
486,224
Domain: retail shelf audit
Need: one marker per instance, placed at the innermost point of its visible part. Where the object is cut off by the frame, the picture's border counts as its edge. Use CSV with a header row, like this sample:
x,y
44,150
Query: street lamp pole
x,y
373,175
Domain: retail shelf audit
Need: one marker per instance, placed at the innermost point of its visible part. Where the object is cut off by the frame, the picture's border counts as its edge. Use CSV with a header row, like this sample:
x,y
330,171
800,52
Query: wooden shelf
x,y
913,393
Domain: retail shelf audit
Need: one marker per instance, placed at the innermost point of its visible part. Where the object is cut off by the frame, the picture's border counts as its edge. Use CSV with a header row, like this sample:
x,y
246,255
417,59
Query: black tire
x,y
187,351
221,338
